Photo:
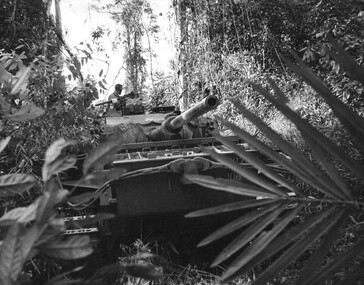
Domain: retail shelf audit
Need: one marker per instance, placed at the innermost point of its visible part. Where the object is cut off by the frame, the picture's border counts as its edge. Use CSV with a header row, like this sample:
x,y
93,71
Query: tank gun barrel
x,y
174,125
103,103
207,104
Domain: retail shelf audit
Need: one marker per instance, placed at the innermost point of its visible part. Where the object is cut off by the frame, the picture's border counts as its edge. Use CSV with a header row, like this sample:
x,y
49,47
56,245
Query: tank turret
x,y
161,123
174,124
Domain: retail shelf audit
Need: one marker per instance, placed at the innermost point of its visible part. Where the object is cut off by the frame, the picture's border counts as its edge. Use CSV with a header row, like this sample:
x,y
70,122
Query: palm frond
x,y
246,172
297,249
231,186
340,262
353,122
237,224
262,241
249,234
256,163
241,205
280,244
322,250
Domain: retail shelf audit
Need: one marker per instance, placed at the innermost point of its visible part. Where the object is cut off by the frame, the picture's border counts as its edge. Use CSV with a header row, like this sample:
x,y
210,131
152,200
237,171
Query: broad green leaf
x,y
55,228
249,234
230,186
244,204
58,165
255,162
55,149
102,154
4,143
5,77
10,261
5,106
71,248
258,245
237,224
281,242
297,249
101,177
146,271
11,184
48,201
83,198
31,236
26,112
24,94
319,256
22,82
21,214
246,173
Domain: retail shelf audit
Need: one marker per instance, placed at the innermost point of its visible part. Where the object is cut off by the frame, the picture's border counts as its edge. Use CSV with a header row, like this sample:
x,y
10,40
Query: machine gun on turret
x,y
121,105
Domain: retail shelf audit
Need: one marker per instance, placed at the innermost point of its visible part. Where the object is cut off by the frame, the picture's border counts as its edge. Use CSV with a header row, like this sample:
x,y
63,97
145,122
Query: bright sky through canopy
x,y
79,18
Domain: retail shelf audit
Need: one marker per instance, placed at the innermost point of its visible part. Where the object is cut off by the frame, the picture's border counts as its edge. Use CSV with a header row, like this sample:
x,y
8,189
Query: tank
x,y
159,148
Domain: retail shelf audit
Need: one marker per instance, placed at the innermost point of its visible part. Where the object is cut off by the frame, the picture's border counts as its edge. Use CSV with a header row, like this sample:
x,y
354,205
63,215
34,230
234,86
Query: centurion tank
x,y
159,148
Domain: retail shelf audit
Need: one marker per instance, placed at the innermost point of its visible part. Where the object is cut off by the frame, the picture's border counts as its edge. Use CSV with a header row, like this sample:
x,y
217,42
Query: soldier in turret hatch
x,y
115,96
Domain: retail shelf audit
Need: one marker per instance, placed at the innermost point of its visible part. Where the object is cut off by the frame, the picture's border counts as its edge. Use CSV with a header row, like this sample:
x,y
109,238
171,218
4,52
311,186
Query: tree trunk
x,y
182,84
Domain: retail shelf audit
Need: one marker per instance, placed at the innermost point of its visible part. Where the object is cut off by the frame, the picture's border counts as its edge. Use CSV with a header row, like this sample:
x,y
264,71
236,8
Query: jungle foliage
x,y
274,100
316,217
233,45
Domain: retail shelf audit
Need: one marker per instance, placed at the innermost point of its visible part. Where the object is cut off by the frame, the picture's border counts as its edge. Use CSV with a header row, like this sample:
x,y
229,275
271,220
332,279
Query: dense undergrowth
x,y
239,63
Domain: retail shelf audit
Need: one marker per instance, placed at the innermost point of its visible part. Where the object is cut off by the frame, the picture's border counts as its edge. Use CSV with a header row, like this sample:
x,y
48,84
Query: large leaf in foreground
x,y
237,224
57,166
248,173
281,242
4,143
11,184
297,249
72,248
241,205
307,171
11,262
249,234
230,186
26,112
52,154
316,141
20,214
102,154
322,250
255,162
261,242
